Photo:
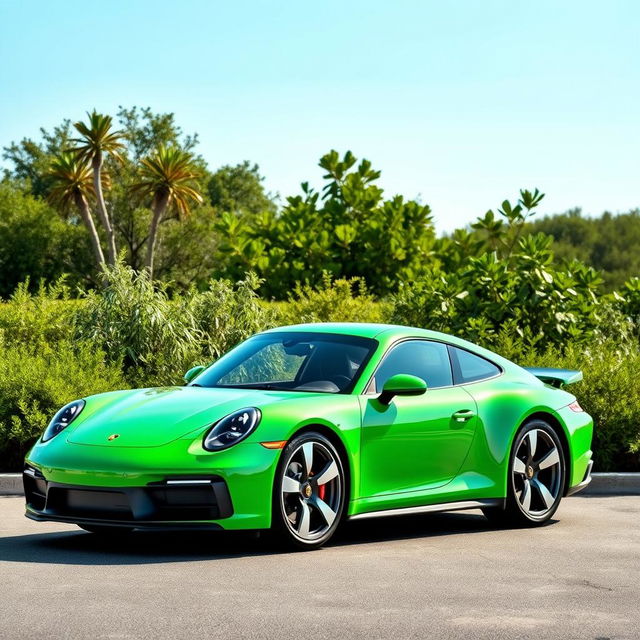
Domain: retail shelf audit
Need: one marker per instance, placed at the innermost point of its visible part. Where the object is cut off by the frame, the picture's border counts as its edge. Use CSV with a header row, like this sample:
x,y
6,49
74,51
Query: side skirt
x,y
432,508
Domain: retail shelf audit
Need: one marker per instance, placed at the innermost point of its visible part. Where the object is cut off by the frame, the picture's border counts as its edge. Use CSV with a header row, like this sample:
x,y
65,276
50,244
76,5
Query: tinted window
x,y
468,367
291,361
427,360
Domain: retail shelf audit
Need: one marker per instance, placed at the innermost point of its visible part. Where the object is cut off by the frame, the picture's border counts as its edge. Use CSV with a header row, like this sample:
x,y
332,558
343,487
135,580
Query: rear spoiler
x,y
555,377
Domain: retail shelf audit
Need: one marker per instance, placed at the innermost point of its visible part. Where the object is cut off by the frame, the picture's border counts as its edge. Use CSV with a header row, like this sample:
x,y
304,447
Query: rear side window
x,y
468,367
427,360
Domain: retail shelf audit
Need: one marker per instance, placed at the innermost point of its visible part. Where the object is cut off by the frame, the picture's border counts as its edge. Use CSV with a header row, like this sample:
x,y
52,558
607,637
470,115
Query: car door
x,y
420,442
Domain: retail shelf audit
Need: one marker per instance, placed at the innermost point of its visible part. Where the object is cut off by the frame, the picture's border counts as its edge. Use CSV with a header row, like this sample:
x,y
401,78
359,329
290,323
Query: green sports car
x,y
299,428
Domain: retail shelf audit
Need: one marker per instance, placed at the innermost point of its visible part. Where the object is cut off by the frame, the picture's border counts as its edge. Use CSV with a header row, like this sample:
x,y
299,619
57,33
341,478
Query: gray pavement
x,y
433,576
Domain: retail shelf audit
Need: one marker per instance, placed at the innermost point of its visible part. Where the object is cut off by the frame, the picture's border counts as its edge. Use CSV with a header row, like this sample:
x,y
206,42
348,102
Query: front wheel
x,y
536,477
309,492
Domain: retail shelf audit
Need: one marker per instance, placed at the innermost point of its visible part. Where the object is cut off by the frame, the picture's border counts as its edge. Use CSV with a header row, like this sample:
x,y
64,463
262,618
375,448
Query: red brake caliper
x,y
321,489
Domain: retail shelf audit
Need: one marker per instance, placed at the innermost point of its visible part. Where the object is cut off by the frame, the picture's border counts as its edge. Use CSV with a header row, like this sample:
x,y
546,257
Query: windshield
x,y
291,361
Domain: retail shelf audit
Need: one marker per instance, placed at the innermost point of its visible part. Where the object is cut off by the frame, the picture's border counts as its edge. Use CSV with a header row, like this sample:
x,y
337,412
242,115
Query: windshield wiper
x,y
264,387
260,387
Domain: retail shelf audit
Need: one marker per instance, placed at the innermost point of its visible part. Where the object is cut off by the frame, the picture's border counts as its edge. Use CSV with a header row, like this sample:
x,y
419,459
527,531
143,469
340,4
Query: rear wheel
x,y
309,492
536,477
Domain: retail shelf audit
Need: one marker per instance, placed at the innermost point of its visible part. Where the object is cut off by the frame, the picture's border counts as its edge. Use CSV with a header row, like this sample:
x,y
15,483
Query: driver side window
x,y
422,358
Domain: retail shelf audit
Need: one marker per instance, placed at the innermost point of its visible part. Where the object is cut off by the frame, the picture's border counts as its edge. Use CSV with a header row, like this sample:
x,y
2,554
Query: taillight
x,y
575,406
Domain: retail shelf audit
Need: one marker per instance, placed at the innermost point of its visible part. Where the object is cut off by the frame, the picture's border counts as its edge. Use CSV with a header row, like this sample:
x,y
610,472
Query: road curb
x,y
11,484
613,484
602,484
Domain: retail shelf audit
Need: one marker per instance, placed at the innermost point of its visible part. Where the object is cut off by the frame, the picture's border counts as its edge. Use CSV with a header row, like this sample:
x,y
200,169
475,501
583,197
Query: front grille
x,y
188,499
185,502
112,505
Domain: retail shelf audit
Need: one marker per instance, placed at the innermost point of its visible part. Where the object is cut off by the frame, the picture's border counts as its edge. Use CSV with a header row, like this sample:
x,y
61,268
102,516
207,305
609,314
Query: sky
x,y
459,104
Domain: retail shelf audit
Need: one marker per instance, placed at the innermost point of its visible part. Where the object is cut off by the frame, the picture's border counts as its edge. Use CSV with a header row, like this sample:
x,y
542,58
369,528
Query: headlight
x,y
231,429
63,419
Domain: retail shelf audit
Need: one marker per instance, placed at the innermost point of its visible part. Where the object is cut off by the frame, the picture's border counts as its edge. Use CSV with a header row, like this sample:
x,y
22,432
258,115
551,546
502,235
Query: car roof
x,y
362,329
366,330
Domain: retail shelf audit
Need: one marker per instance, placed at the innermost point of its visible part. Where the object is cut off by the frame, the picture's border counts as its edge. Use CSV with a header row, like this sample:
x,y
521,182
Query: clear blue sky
x,y
460,103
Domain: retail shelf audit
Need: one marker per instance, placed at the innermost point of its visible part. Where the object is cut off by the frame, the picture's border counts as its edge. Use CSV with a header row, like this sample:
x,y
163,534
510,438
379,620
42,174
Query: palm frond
x,y
70,177
169,172
97,137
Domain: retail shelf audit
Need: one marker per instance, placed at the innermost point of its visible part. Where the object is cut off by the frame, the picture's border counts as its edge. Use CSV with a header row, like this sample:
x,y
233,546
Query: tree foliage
x,y
187,249
238,189
29,159
348,229
36,243
501,280
608,243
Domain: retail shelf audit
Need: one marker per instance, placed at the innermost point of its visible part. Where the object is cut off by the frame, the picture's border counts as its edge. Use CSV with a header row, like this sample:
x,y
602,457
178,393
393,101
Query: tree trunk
x,y
85,213
159,208
96,165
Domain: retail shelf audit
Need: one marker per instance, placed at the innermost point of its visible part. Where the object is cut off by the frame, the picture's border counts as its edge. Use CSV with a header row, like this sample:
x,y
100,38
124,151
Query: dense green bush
x,y
225,314
157,337
135,323
35,381
38,319
629,301
349,229
339,300
134,333
545,305
35,242
41,369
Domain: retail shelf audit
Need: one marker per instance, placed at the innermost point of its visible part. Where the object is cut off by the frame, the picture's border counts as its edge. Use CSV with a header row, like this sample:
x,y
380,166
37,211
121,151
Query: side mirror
x,y
402,384
193,372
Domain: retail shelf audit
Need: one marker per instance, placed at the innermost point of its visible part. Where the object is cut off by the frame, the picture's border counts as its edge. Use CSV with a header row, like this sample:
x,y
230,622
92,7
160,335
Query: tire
x,y
536,478
309,492
106,531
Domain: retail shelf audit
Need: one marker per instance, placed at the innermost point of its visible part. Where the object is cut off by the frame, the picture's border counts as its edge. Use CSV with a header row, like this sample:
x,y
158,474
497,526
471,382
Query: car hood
x,y
153,417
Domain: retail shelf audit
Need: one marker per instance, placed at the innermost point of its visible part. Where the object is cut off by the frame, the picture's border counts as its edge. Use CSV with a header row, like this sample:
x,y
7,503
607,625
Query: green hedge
x,y
133,334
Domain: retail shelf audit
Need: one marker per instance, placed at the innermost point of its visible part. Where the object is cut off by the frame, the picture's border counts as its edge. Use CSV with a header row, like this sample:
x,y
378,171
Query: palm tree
x,y
98,140
168,176
71,184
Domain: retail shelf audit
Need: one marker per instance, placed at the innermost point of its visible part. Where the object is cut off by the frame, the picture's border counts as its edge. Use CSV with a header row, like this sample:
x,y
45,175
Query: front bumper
x,y
175,501
165,487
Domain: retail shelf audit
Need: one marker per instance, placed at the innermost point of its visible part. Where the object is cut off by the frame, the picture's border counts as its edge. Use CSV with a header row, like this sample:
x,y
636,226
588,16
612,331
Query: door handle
x,y
463,415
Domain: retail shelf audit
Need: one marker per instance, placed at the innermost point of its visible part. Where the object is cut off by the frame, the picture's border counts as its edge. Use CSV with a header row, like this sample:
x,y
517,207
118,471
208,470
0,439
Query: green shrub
x,y
133,333
39,319
348,228
134,322
225,314
36,381
37,243
339,300
157,338
546,306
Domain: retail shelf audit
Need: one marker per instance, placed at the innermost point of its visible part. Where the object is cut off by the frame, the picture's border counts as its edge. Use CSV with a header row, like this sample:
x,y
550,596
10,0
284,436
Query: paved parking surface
x,y
434,576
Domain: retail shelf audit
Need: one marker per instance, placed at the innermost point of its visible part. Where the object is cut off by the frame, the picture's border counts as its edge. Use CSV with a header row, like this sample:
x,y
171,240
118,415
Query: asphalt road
x,y
433,576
